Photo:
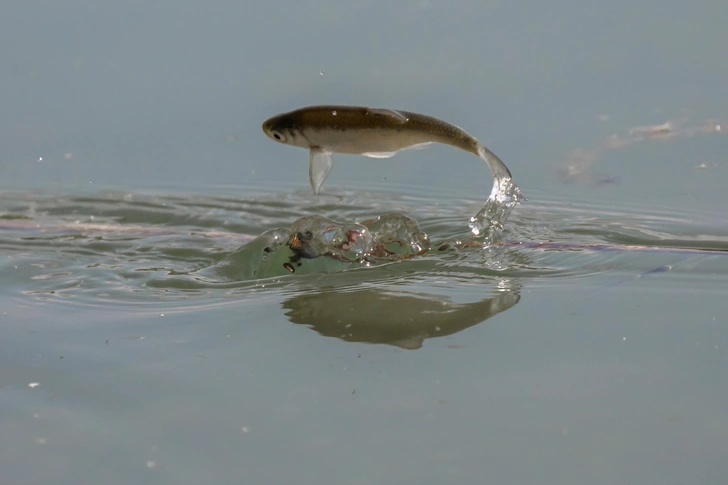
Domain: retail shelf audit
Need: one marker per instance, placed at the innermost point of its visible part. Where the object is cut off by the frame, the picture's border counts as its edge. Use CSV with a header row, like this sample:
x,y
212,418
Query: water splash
x,y
490,220
504,196
398,236
327,245
391,236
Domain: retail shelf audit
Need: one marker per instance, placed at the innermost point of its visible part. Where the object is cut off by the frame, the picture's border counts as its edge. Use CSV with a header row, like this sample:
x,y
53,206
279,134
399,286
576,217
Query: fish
x,y
372,132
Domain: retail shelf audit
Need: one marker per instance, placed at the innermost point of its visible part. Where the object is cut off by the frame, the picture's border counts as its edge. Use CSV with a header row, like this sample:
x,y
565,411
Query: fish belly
x,y
376,143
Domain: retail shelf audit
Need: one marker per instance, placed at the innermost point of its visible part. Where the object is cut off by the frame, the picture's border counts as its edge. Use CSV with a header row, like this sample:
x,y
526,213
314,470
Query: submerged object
x,y
376,133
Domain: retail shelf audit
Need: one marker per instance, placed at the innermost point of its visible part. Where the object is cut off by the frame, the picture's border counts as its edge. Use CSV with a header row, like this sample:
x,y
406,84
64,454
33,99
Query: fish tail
x,y
496,165
504,190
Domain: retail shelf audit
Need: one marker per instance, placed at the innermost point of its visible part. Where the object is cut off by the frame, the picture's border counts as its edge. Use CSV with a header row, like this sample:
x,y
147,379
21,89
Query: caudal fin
x,y
496,165
504,190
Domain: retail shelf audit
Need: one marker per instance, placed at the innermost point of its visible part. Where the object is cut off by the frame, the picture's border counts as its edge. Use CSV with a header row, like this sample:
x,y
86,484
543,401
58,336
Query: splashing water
x,y
504,196
389,237
333,245
490,220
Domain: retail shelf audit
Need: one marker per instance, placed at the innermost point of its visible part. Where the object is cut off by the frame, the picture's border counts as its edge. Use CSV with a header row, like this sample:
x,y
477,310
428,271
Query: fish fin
x,y
389,113
413,342
497,168
320,163
379,154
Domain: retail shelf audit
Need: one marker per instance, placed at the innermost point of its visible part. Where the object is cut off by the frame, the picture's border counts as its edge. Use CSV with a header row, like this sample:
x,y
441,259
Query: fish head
x,y
283,129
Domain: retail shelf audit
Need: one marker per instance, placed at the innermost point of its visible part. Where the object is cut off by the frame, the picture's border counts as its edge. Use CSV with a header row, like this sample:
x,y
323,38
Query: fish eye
x,y
277,135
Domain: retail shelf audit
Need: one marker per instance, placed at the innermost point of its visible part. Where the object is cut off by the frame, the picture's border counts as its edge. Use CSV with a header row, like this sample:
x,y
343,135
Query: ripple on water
x,y
197,250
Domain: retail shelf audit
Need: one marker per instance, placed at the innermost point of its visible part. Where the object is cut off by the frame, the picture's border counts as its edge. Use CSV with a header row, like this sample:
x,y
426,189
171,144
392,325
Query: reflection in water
x,y
396,318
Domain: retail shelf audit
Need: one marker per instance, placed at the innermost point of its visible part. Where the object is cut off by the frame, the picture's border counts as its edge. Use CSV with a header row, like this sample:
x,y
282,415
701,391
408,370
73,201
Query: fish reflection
x,y
387,317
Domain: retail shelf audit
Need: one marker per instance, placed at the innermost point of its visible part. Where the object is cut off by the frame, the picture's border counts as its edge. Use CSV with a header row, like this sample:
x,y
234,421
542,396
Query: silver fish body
x,y
372,132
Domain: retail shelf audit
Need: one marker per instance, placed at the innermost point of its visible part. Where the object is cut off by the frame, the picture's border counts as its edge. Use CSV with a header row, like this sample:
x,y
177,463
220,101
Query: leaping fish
x,y
372,132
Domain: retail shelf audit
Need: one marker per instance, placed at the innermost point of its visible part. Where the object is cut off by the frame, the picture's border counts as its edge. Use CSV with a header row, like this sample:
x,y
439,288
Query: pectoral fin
x,y
320,164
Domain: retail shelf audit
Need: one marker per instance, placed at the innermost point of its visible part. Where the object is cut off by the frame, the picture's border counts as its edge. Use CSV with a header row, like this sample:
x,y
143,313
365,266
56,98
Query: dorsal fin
x,y
389,113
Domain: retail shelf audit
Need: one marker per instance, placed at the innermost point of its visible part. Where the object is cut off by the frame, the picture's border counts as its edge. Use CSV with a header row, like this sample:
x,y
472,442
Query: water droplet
x,y
322,72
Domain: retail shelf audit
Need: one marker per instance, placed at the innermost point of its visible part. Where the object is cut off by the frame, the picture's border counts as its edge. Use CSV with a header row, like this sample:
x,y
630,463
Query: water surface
x,y
586,345
574,338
